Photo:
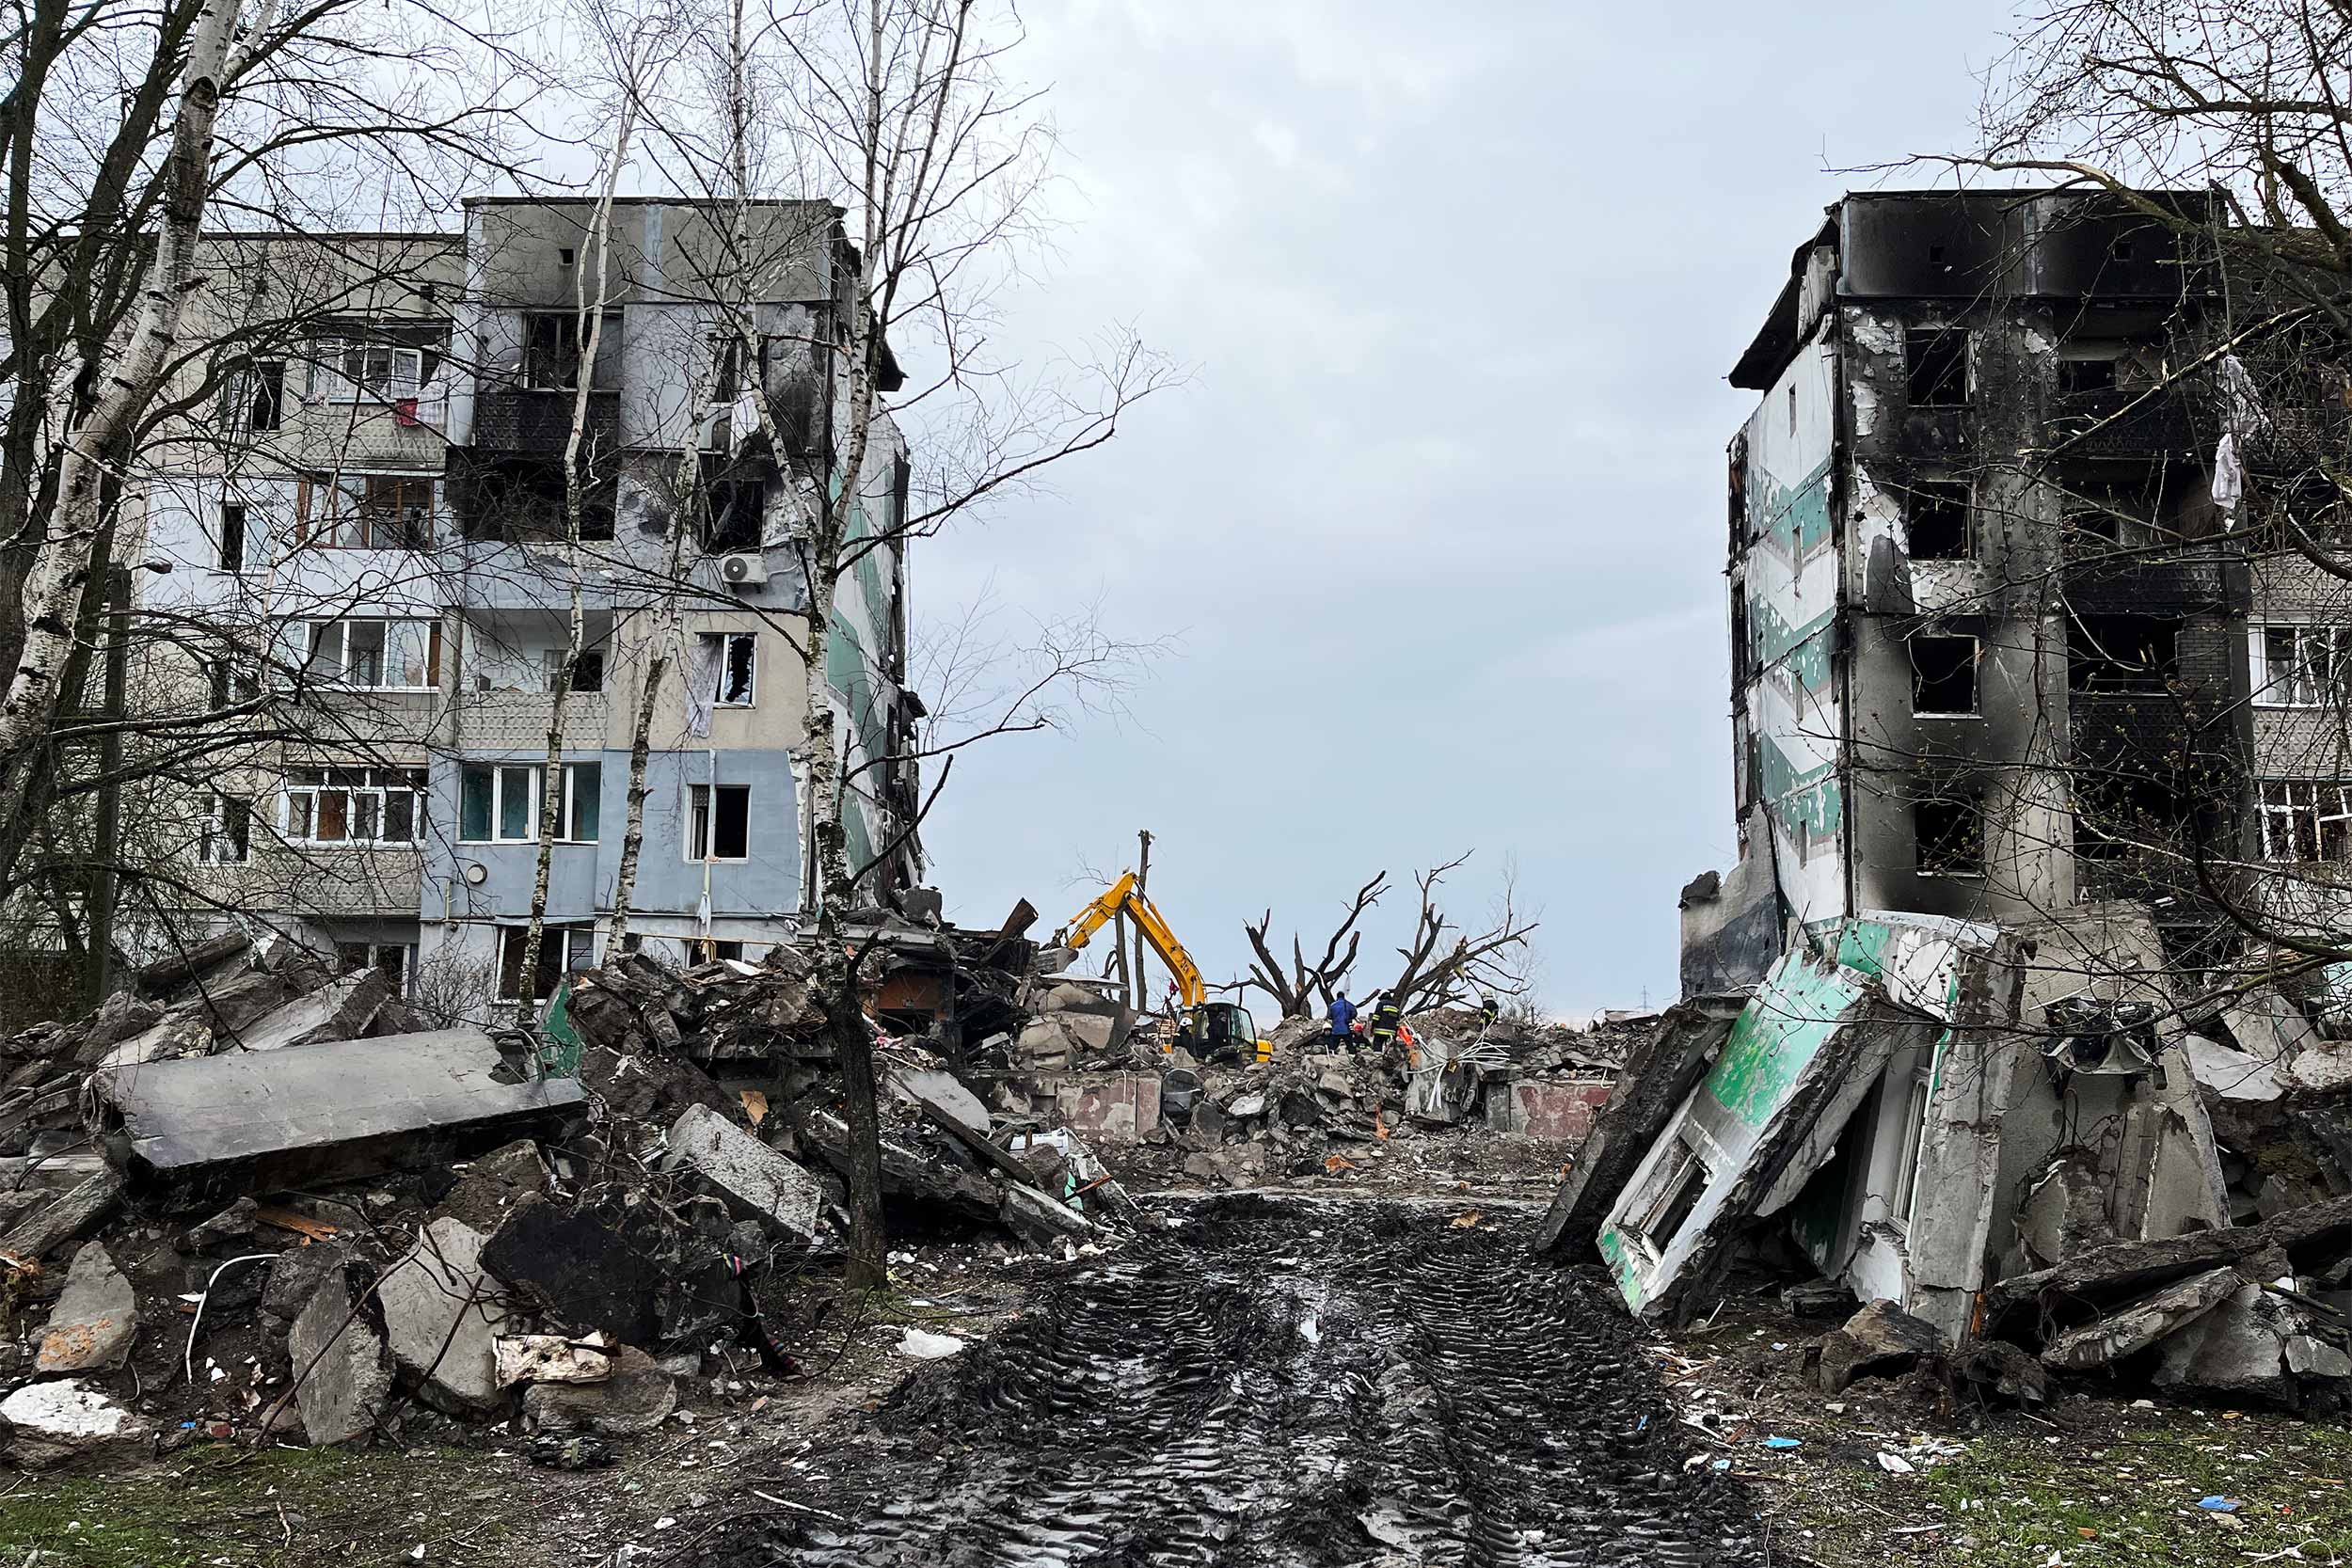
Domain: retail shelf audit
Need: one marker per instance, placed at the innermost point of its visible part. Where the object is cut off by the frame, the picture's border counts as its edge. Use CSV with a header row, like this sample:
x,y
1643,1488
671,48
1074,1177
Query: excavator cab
x,y
1218,1031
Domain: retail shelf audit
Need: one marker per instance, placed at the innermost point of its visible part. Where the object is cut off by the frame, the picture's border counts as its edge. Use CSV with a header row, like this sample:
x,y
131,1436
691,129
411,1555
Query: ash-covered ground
x,y
1272,1381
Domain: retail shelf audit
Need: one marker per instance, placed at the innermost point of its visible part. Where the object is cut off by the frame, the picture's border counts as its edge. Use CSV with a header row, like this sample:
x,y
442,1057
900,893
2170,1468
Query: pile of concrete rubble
x,y
2011,1145
249,1198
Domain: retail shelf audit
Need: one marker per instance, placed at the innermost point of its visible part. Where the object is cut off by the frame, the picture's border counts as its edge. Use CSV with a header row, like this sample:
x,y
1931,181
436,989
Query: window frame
x,y
1918,1100
331,361
231,521
726,640
352,518
702,824
572,961
377,786
227,824
304,651
566,810
1972,810
2306,685
1914,368
1918,490
2276,803
1976,672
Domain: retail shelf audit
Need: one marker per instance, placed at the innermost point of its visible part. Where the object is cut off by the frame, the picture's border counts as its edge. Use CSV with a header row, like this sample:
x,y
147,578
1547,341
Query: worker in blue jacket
x,y
1343,1020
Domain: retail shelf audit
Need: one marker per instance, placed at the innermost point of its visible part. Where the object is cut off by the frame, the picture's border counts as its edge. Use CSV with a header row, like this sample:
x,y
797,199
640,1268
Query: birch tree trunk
x,y
80,524
591,316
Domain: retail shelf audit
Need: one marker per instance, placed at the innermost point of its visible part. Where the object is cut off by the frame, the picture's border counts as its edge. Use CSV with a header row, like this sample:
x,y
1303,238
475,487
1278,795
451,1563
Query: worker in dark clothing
x,y
1343,1022
1386,1016
1488,1011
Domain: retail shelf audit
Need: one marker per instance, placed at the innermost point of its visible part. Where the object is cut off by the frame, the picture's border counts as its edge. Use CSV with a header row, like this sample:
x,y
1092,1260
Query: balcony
x,y
2127,423
540,421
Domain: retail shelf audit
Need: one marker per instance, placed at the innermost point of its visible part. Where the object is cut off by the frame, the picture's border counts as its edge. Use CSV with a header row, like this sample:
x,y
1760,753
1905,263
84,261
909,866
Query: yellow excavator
x,y
1210,1029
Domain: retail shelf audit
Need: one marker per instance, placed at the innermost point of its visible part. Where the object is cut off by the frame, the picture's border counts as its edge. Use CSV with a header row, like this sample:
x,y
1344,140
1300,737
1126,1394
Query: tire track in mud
x,y
1277,1383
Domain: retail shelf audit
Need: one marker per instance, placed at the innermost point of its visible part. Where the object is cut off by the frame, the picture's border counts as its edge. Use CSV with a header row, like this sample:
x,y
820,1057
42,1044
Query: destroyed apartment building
x,y
1964,1030
371,527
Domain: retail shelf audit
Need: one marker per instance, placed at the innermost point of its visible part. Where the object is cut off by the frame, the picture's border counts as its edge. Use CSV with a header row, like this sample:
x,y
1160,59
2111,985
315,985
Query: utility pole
x,y
1141,998
109,838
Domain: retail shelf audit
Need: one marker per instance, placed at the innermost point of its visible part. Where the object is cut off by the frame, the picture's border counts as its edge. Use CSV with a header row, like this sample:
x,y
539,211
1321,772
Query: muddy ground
x,y
1336,1375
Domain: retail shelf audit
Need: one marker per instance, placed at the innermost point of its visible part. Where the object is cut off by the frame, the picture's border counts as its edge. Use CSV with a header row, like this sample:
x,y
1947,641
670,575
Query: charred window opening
x,y
2085,375
2110,514
1943,675
265,396
1740,670
1949,835
1936,521
2121,653
735,506
1739,496
551,350
1935,365
521,500
1671,1196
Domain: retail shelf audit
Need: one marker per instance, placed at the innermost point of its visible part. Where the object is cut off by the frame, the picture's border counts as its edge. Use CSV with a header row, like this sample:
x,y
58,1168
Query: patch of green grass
x,y
2023,1498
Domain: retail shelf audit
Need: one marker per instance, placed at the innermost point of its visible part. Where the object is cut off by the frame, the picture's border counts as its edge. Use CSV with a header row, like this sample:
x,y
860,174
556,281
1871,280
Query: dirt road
x,y
1274,1384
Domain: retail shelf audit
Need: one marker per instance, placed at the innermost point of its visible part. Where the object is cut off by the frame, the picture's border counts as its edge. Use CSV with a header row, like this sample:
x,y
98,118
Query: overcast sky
x,y
1438,522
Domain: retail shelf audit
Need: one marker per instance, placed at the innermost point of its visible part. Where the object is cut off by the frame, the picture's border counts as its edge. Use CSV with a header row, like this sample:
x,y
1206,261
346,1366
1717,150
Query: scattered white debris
x,y
925,1346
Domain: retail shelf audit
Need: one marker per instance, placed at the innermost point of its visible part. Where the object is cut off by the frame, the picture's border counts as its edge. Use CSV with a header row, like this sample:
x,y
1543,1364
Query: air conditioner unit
x,y
747,570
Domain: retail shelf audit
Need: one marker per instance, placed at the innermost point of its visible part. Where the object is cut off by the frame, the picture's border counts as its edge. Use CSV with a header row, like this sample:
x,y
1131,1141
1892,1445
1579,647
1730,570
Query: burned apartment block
x,y
2026,706
372,538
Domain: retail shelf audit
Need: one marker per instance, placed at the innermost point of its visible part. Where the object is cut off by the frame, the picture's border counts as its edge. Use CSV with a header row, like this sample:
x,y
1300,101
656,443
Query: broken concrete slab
x,y
2134,1328
2080,1288
758,1182
51,1423
494,1183
2231,1075
70,1216
634,1398
93,1322
1115,1107
574,1266
341,1381
344,1108
937,1086
551,1358
176,1036
295,1274
339,1010
1041,1219
1659,1075
441,1319
234,1223
2238,1347
1880,1338
2064,1215
2002,1367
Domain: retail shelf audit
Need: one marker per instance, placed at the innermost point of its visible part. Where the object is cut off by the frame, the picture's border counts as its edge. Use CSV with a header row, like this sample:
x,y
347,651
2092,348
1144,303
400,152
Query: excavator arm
x,y
1122,897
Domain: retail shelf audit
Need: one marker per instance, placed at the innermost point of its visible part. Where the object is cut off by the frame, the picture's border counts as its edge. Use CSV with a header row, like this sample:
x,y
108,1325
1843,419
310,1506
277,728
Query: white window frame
x,y
331,380
2307,684
566,815
328,503
305,644
2280,803
702,824
1914,1129
1975,684
726,642
375,785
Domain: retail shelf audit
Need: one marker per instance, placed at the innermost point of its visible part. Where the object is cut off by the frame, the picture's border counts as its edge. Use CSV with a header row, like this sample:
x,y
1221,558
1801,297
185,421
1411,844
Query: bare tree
x,y
1436,971
1299,991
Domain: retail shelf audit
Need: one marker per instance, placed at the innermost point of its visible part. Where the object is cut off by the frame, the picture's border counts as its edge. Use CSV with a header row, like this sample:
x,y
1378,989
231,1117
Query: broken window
x,y
563,950
1914,1137
260,393
2305,819
722,832
389,958
1671,1195
1935,519
1935,366
1950,831
2118,516
1943,675
2299,666
551,350
228,832
2085,375
231,556
2121,653
587,670
728,950
735,654
355,805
